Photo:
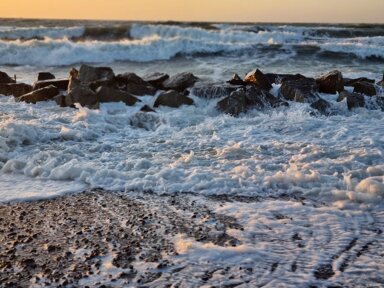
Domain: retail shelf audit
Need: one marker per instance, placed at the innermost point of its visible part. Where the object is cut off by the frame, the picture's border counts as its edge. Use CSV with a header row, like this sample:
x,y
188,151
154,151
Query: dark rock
x,y
351,82
354,100
15,89
4,78
234,104
256,77
331,82
139,90
236,80
323,106
274,78
133,84
146,108
106,94
172,99
342,96
180,82
365,88
210,91
301,90
60,100
61,84
43,94
258,98
89,74
82,95
292,77
156,79
45,76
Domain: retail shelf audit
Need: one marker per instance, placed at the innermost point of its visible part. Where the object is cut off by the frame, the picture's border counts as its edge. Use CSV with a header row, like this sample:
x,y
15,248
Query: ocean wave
x,y
25,33
50,46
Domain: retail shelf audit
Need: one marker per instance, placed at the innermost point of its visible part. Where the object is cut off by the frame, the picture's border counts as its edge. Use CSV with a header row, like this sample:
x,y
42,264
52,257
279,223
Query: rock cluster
x,y
89,86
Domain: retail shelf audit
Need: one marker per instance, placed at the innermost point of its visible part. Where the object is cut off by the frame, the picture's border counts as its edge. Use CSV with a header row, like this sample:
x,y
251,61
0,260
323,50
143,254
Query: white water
x,y
195,149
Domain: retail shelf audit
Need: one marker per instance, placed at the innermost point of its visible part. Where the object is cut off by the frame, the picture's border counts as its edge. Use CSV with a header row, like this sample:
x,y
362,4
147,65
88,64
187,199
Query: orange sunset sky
x,y
336,11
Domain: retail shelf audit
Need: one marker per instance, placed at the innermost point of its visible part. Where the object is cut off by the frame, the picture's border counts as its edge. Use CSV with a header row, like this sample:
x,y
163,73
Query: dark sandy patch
x,y
67,241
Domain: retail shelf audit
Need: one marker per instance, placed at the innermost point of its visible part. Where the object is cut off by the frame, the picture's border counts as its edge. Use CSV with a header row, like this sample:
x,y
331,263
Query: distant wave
x,y
50,46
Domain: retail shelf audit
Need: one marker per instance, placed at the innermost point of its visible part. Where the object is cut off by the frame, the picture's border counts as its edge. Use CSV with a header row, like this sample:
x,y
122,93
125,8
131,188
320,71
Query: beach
x,y
177,154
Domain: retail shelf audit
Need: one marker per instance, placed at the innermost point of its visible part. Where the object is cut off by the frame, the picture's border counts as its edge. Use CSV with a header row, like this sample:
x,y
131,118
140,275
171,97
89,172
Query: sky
x,y
335,11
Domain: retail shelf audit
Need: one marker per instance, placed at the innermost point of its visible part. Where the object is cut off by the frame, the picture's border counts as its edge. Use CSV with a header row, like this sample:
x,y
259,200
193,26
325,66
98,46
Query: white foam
x,y
260,153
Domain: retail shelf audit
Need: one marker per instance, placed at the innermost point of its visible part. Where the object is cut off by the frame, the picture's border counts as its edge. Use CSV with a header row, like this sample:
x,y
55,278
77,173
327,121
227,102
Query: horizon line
x,y
193,21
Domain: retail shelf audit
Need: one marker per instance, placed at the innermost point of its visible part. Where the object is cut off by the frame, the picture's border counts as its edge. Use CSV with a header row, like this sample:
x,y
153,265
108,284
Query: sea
x,y
277,155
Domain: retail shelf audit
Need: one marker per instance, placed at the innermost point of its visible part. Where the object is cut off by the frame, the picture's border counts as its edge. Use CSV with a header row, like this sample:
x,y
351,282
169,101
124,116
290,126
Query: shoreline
x,y
108,239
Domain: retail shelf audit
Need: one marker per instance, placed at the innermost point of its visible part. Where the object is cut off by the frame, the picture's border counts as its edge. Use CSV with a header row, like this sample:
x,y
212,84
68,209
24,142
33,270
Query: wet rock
x,y
15,89
301,90
354,100
133,84
276,78
234,104
236,80
258,98
351,82
146,108
60,100
365,88
43,94
106,94
156,79
82,95
89,74
256,77
180,82
5,78
331,82
61,84
322,106
172,99
45,76
145,121
211,91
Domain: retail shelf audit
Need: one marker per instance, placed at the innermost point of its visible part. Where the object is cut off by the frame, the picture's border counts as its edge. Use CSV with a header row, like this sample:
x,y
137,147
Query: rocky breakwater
x,y
89,86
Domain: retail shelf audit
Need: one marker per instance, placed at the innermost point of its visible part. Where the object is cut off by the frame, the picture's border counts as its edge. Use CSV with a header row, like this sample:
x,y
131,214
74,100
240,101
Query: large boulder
x,y
234,104
89,74
15,89
354,100
106,94
211,91
5,78
351,82
366,88
45,76
42,94
256,77
322,106
301,90
83,95
61,84
256,97
172,99
133,84
277,78
331,82
236,80
156,79
180,82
